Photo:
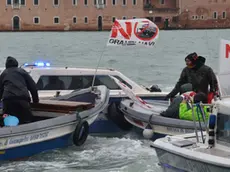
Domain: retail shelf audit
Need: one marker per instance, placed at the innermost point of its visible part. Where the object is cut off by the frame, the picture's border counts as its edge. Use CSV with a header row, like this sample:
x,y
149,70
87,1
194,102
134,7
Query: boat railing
x,y
200,108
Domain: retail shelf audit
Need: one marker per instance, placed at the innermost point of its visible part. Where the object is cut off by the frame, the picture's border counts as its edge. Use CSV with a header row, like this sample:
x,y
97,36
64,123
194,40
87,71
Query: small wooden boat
x,y
56,124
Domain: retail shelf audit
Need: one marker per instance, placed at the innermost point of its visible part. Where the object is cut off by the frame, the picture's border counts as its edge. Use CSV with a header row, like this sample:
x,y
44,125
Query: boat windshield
x,y
224,84
223,129
62,82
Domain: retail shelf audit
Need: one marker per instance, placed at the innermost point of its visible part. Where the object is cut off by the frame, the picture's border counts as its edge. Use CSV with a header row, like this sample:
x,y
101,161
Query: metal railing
x,y
200,108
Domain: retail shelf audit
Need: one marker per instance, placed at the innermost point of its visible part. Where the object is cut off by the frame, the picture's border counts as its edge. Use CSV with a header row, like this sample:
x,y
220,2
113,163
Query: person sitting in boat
x,y
173,110
199,75
14,85
185,110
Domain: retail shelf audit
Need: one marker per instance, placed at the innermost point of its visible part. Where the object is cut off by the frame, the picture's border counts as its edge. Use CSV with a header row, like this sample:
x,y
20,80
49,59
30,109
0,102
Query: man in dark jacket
x,y
14,85
198,74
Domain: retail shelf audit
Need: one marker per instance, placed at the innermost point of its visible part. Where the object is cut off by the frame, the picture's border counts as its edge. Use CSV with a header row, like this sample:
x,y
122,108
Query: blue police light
x,y
38,64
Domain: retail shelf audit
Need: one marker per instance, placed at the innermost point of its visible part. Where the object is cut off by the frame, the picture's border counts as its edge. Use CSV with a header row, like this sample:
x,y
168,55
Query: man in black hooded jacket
x,y
198,74
14,85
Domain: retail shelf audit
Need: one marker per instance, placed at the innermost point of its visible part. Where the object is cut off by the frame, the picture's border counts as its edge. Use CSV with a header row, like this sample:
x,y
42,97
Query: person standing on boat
x,y
15,84
199,75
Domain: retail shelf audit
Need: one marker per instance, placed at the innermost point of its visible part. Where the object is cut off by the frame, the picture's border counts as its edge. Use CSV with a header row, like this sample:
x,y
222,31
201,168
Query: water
x,y
160,65
97,155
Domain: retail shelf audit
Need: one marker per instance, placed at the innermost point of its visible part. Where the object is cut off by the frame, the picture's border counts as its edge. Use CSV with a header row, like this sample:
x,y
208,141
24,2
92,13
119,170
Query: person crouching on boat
x,y
199,75
173,110
14,85
185,110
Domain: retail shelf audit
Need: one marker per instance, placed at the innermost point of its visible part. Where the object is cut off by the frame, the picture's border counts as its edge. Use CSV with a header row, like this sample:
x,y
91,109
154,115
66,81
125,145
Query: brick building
x,y
100,14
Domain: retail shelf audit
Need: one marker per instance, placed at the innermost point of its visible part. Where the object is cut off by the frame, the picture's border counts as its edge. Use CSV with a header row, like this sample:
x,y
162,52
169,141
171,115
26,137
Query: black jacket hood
x,y
11,62
199,62
201,59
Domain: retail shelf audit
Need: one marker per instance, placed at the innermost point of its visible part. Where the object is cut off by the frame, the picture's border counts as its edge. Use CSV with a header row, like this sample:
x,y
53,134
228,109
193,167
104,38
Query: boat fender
x,y
148,132
211,132
115,114
81,133
10,121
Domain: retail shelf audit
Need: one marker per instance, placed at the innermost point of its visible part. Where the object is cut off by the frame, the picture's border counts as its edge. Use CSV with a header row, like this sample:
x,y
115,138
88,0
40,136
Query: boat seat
x,y
183,143
60,106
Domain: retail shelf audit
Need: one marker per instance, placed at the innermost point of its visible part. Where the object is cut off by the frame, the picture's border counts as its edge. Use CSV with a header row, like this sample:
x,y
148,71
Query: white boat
x,y
194,153
111,120
55,81
139,112
146,117
152,124
56,124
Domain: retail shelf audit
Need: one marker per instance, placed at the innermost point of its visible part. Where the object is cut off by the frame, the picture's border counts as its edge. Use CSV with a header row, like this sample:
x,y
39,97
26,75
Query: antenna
x,y
98,66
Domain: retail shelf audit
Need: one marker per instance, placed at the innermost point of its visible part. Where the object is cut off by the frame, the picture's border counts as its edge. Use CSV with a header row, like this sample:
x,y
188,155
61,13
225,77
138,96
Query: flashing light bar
x,y
39,64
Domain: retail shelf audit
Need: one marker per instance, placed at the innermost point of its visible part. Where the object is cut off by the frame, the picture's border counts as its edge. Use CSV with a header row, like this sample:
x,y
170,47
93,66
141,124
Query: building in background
x,y
66,14
189,13
205,13
162,12
99,14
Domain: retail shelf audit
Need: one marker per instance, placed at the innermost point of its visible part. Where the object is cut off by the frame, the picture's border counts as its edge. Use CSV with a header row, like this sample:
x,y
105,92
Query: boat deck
x,y
60,106
214,151
189,142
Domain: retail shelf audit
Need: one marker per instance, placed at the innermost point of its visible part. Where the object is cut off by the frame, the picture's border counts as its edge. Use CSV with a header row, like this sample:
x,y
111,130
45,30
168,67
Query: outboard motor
x,y
154,88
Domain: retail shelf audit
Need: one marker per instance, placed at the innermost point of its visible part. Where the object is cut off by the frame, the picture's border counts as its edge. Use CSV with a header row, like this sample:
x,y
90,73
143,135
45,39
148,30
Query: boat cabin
x,y
65,79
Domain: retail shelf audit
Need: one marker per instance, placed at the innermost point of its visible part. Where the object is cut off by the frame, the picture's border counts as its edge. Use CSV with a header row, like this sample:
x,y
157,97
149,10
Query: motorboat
x,y
146,116
59,81
208,151
55,124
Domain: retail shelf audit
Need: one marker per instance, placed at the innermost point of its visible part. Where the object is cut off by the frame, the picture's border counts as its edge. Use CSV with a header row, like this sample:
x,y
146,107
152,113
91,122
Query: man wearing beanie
x,y
198,74
14,85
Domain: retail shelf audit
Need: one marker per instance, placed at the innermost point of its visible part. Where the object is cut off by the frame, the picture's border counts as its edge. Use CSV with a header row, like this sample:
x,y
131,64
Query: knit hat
x,y
192,57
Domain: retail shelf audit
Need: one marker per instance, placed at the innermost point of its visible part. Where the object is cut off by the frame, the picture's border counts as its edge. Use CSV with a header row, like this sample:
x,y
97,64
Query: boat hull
x,y
26,151
161,126
26,145
104,126
174,162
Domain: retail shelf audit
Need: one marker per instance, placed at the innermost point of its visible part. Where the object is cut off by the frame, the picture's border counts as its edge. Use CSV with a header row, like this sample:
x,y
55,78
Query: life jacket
x,y
185,113
185,110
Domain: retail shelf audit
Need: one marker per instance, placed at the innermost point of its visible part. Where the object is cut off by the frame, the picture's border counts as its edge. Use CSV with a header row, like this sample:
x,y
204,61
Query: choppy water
x,y
97,155
160,65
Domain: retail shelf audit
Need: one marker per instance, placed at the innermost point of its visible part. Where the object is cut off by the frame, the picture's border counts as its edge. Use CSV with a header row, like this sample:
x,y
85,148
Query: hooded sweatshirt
x,y
16,82
200,76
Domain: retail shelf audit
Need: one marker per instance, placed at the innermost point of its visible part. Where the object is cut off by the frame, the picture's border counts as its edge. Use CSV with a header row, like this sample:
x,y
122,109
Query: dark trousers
x,y
19,108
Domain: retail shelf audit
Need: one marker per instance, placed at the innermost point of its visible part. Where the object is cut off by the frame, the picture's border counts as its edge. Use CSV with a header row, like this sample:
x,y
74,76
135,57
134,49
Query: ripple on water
x,y
98,154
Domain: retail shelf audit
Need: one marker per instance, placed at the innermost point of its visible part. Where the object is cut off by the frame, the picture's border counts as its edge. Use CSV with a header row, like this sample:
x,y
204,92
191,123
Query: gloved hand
x,y
35,100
